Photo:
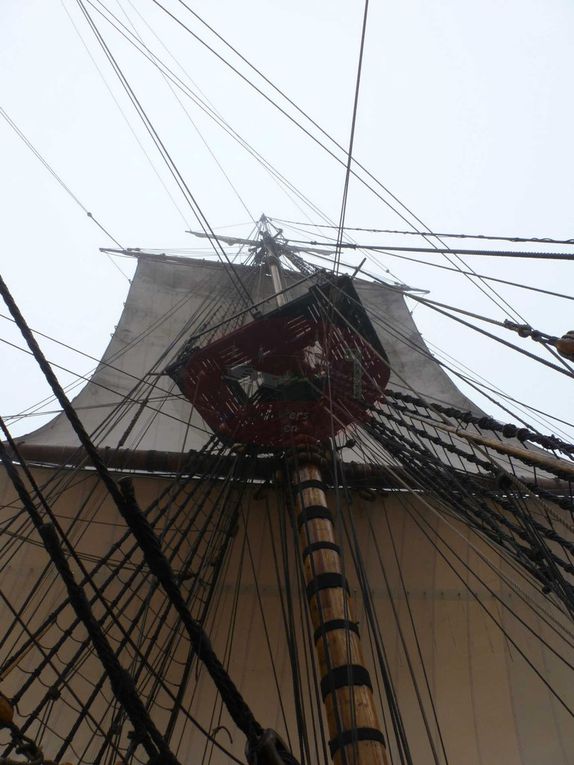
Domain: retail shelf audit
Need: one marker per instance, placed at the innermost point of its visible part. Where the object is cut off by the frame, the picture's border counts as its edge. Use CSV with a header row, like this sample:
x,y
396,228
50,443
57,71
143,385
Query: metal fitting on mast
x,y
272,259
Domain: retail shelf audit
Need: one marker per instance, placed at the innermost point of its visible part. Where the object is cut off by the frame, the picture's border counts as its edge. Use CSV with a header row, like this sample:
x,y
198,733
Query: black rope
x,y
484,422
475,595
536,558
542,240
144,534
55,175
528,254
169,161
120,681
79,704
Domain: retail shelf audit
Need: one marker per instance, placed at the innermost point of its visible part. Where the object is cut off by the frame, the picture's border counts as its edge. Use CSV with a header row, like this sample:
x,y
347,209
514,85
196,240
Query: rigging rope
x,y
541,240
167,158
487,290
341,228
484,422
58,178
384,248
204,105
120,680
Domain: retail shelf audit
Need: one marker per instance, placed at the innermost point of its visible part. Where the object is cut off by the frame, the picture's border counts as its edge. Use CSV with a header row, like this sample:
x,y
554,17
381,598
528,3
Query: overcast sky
x,y
465,114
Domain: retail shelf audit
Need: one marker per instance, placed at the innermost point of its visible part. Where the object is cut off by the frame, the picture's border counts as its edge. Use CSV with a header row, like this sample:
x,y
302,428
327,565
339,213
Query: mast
x,y
355,732
406,533
272,260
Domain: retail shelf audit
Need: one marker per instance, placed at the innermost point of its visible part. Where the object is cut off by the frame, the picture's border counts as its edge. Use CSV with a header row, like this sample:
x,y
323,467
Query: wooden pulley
x,y
565,345
6,711
269,750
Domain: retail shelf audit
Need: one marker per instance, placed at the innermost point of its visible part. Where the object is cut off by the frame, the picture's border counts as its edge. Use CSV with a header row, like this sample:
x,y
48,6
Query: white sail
x,y
479,658
166,294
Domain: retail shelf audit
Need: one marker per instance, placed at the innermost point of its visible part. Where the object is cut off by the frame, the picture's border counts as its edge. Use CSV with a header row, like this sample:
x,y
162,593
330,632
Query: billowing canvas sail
x,y
457,559
487,657
169,299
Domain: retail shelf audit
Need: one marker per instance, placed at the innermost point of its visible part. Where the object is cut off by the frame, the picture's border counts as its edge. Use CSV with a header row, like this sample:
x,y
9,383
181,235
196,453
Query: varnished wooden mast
x,y
354,729
355,733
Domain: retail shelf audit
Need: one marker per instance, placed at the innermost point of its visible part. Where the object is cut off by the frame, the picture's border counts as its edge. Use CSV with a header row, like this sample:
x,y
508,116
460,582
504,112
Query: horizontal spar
x,y
537,458
456,251
357,475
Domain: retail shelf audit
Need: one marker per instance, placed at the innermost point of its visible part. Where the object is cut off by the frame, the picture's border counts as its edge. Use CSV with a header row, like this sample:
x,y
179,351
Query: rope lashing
x,y
508,430
525,330
564,345
22,745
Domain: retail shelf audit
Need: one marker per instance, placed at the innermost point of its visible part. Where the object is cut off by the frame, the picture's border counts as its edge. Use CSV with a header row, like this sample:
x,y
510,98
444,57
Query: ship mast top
x,y
272,257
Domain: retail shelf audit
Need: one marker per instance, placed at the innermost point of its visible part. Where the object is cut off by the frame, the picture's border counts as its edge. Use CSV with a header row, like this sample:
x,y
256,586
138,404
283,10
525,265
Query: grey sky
x,y
465,114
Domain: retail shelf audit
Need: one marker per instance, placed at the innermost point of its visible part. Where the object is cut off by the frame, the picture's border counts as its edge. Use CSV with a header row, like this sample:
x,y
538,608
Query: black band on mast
x,y
314,512
344,676
352,736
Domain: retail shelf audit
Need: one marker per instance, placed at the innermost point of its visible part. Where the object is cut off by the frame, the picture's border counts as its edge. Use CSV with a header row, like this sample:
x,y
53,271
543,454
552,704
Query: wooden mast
x,y
355,732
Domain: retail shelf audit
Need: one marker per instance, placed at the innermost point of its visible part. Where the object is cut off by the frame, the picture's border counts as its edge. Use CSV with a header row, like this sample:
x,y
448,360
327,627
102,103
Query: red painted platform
x,y
300,373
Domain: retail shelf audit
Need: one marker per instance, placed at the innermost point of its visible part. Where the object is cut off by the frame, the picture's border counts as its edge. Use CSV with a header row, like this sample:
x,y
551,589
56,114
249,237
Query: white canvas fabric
x,y
165,293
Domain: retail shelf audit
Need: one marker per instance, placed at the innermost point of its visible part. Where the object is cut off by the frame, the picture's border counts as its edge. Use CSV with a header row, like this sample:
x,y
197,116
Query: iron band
x,y
321,546
311,483
354,735
313,512
335,624
343,677
325,581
